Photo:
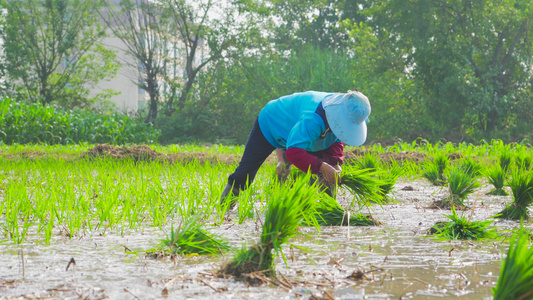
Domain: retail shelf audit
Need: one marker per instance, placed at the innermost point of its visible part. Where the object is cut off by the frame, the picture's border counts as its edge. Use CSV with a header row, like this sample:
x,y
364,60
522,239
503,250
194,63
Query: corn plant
x,y
190,238
459,228
516,274
522,192
496,176
287,207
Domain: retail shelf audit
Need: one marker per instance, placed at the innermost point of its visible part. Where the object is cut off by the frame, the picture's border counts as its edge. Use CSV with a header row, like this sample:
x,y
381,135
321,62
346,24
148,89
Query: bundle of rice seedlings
x,y
522,191
364,184
190,238
516,275
330,213
505,158
286,210
389,178
369,161
460,185
434,170
469,165
523,160
496,176
459,228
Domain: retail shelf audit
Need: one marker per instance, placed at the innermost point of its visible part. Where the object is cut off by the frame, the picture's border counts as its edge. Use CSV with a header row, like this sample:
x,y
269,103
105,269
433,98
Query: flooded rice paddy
x,y
396,260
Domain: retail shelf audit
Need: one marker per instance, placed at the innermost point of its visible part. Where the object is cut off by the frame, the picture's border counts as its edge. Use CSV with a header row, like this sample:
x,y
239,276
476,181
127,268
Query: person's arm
x,y
334,155
305,161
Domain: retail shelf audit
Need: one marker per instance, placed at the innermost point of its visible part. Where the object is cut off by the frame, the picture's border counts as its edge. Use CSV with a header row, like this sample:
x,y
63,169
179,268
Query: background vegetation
x,y
453,70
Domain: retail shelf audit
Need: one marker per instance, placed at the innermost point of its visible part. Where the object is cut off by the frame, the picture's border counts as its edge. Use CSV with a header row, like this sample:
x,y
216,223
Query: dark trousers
x,y
256,151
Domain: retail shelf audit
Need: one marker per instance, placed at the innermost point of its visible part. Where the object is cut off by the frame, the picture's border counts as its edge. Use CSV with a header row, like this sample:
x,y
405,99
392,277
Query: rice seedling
x,y
460,185
505,158
523,159
434,170
522,192
287,207
364,185
368,161
516,274
459,228
389,178
496,176
470,166
330,213
190,238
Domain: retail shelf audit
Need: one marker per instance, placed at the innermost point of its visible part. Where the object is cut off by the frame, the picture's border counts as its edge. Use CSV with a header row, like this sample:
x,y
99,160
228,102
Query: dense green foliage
x,y
458,70
24,123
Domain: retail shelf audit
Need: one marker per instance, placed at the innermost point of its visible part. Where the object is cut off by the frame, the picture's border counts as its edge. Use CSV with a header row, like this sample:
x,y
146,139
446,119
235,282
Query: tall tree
x,y
142,27
471,58
52,51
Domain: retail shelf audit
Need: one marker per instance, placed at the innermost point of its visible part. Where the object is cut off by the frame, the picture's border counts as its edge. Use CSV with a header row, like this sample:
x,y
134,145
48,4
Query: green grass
x,y
516,274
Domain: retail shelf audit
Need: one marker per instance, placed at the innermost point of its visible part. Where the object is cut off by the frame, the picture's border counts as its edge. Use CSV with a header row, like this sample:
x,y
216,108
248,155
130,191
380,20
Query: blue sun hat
x,y
347,115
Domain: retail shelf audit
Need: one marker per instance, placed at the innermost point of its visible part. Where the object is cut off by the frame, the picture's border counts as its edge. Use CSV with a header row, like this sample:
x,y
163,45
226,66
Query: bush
x,y
24,123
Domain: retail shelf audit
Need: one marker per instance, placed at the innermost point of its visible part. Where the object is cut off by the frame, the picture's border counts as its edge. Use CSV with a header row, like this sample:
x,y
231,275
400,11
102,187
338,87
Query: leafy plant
x,y
460,185
522,191
330,213
434,170
459,228
287,207
516,274
496,176
192,239
364,184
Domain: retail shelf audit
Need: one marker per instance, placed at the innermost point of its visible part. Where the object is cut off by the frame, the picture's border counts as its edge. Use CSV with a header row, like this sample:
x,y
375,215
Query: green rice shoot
x,y
190,238
516,274
496,176
330,213
287,209
460,185
459,228
364,185
522,191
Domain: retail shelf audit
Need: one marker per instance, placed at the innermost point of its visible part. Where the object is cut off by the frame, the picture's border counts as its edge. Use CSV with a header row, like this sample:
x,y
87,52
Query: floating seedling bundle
x,y
522,188
459,228
190,238
330,213
287,207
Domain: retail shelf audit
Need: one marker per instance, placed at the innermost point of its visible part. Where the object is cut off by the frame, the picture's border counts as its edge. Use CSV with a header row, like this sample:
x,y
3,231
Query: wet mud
x,y
397,260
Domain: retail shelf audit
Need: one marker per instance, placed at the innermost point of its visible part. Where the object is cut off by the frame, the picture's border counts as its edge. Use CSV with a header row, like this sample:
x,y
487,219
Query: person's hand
x,y
330,173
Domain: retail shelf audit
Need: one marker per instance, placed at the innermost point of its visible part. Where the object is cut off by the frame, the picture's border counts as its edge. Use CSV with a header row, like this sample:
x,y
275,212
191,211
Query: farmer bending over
x,y
307,130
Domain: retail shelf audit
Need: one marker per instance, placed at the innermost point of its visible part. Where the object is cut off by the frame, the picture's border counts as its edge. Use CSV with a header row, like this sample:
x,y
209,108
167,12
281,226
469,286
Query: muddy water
x,y
398,260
